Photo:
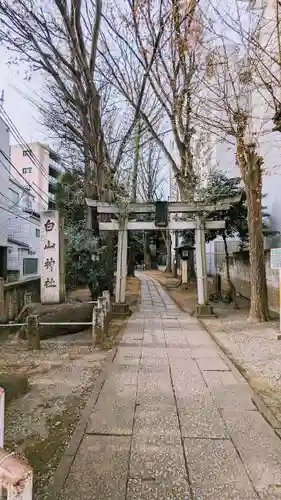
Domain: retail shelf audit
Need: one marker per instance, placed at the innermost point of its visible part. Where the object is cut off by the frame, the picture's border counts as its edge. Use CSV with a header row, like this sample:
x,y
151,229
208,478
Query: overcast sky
x,y
21,112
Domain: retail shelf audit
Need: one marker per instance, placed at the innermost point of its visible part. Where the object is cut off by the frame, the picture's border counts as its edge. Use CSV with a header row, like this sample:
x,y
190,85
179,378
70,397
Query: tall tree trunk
x,y
169,252
259,300
131,256
88,188
250,164
227,261
231,290
147,252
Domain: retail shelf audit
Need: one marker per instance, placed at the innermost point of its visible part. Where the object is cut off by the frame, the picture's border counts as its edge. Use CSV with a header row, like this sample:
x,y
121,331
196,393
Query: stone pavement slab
x,y
151,461
258,447
160,423
114,413
215,363
173,420
236,491
204,352
199,417
99,470
215,463
161,490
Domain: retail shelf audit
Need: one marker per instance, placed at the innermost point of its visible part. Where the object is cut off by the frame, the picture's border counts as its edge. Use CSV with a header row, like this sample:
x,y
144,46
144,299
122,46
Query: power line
x,y
10,207
14,204
22,143
28,183
13,177
15,132
17,215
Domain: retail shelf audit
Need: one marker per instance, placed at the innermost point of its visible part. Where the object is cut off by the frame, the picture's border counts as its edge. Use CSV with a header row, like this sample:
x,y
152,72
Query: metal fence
x,y
216,257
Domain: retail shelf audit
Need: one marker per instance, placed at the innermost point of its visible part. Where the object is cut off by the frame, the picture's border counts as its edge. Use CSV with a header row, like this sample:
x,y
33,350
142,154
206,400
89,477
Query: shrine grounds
x,y
61,377
220,433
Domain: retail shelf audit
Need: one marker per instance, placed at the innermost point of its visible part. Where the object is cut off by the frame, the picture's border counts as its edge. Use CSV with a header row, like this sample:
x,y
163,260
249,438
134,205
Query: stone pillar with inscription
x,y
52,258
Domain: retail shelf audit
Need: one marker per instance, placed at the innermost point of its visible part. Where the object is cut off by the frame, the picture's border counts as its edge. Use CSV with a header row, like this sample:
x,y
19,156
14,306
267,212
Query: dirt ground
x,y
253,348
61,376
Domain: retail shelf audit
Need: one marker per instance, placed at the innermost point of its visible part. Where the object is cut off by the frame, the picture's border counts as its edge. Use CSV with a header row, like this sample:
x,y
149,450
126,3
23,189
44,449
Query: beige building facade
x,y
37,167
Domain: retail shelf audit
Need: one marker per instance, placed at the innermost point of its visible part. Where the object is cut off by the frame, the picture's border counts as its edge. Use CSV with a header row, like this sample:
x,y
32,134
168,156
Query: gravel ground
x,y
255,350
61,376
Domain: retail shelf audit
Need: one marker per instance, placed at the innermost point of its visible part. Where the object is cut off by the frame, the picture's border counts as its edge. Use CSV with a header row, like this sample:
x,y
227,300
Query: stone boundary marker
x,y
16,476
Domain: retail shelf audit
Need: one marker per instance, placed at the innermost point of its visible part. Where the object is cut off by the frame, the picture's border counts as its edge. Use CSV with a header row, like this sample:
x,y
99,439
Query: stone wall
x,y
14,295
240,275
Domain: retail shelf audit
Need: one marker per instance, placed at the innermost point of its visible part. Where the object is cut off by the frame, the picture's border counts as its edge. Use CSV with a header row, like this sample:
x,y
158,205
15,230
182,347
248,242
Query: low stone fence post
x,y
103,301
102,305
106,294
97,325
101,317
27,298
2,302
2,422
33,333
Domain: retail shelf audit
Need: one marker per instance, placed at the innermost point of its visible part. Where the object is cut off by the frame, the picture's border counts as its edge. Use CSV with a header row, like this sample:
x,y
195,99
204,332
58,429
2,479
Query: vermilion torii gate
x,y
195,217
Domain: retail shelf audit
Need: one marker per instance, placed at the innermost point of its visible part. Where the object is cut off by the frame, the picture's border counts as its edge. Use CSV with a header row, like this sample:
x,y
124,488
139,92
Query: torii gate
x,y
197,220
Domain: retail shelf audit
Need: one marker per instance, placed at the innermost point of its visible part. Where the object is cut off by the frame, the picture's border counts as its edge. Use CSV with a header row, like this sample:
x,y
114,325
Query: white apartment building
x,y
269,141
4,187
37,166
261,111
20,206
23,257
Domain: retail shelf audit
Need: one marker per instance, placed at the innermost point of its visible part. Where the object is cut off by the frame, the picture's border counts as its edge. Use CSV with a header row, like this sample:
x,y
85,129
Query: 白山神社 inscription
x,y
50,255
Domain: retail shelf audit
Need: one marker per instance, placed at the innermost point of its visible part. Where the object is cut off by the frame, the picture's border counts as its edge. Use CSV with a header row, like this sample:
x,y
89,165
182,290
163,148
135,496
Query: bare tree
x,y
150,185
158,43
151,177
230,87
53,38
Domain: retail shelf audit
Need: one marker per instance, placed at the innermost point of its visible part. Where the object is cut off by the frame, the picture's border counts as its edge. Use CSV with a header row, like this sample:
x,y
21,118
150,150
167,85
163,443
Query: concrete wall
x,y
239,272
4,183
215,253
12,297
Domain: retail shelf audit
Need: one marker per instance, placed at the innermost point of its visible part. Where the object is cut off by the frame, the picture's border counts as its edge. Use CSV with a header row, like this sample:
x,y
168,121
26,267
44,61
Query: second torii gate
x,y
196,219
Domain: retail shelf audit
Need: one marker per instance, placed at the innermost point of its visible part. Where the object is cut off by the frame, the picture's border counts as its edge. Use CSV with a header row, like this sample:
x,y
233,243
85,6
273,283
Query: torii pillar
x,y
121,272
202,308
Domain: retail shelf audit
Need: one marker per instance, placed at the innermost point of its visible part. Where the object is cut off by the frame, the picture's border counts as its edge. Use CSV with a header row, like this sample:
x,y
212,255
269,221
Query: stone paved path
x,y
172,420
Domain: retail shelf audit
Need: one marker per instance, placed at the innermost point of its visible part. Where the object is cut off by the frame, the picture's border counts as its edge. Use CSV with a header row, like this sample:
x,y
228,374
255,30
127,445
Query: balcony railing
x,y
56,166
52,180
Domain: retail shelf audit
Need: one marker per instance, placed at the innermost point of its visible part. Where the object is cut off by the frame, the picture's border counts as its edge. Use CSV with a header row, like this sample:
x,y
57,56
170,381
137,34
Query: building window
x,y
27,170
14,196
30,266
37,231
26,152
27,202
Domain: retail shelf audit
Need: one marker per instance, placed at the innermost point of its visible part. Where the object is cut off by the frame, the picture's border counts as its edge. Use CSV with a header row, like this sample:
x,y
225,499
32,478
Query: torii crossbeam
x,y
197,219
